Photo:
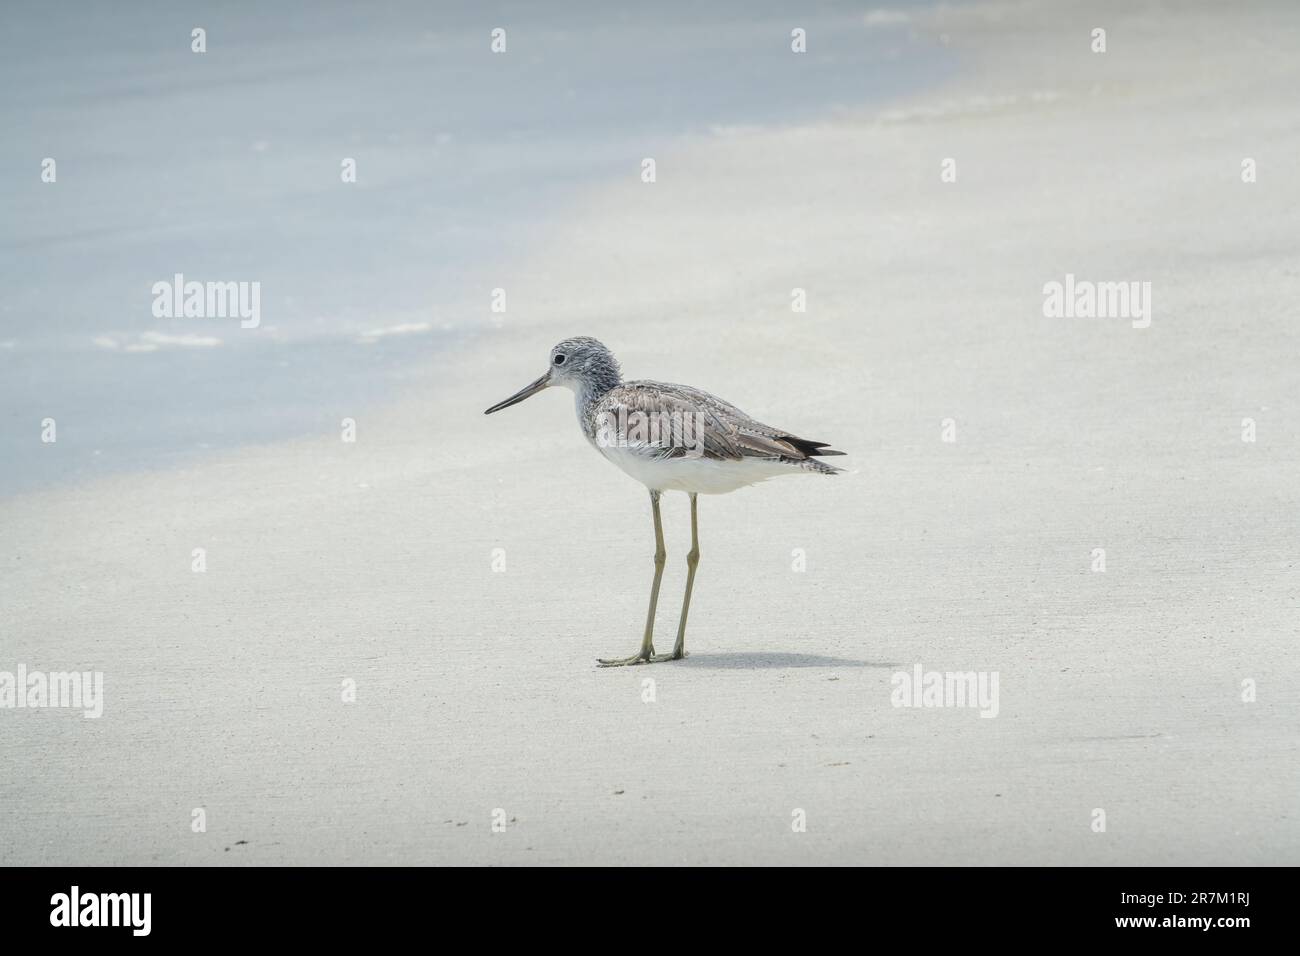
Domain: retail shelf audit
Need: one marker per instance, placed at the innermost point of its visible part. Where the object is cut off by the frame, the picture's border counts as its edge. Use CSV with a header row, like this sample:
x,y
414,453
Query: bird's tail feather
x,y
812,464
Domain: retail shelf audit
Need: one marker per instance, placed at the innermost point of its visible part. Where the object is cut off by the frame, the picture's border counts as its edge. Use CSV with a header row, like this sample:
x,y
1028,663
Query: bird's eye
x,y
559,360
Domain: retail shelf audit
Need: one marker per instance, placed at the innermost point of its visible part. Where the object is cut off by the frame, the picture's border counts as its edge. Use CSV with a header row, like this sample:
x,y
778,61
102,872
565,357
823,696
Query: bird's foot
x,y
645,658
674,656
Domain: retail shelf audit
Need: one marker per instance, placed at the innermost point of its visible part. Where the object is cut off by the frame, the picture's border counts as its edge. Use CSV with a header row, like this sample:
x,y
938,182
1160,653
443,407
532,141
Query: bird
x,y
669,438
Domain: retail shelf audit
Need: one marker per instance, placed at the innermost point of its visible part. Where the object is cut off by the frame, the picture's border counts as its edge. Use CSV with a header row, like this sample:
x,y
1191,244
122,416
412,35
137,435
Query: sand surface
x,y
476,689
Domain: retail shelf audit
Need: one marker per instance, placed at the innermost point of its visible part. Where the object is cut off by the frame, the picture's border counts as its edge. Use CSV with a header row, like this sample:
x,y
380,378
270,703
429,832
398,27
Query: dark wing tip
x,y
807,447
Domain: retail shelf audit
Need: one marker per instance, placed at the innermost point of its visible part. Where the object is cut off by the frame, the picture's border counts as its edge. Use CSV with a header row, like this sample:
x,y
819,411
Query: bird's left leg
x,y
692,559
647,652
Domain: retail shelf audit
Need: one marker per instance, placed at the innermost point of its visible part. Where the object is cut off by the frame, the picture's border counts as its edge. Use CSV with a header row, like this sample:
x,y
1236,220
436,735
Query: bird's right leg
x,y
661,555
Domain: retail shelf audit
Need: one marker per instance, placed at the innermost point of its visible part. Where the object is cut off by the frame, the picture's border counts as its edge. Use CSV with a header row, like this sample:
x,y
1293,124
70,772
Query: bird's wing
x,y
727,432
680,424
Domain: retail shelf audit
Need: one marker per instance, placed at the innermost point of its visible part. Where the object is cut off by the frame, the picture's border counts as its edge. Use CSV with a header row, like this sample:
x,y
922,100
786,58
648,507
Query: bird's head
x,y
580,364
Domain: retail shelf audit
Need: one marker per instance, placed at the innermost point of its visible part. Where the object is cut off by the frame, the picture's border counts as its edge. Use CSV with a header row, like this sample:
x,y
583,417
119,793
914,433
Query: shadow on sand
x,y
773,660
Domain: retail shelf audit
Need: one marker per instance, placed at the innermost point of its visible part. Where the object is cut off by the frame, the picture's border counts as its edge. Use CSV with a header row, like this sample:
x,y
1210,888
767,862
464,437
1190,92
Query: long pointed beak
x,y
523,393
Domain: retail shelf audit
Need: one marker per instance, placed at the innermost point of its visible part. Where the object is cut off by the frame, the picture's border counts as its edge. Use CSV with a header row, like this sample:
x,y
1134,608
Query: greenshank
x,y
669,438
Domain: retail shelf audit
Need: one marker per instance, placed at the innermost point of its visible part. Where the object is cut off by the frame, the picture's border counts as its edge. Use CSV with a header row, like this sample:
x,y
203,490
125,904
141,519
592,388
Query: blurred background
x,y
226,166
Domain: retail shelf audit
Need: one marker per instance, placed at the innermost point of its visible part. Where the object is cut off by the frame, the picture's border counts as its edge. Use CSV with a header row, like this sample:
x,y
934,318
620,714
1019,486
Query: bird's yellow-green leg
x,y
647,652
692,559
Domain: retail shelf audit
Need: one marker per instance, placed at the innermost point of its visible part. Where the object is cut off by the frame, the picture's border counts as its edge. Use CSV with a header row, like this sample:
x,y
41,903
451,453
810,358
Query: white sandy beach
x,y
478,690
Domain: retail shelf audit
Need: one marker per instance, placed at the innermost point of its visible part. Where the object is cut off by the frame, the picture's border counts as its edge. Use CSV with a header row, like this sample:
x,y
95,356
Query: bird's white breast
x,y
706,476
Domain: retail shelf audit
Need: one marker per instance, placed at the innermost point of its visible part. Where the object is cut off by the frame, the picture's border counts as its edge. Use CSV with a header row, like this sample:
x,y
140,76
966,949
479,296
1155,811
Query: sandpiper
x,y
669,438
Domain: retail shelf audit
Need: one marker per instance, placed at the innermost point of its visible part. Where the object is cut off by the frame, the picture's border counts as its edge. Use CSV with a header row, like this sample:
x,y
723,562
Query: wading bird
x,y
669,438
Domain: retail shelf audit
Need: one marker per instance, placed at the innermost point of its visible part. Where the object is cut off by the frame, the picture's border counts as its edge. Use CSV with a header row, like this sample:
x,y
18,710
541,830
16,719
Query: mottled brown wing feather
x,y
728,433
718,439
